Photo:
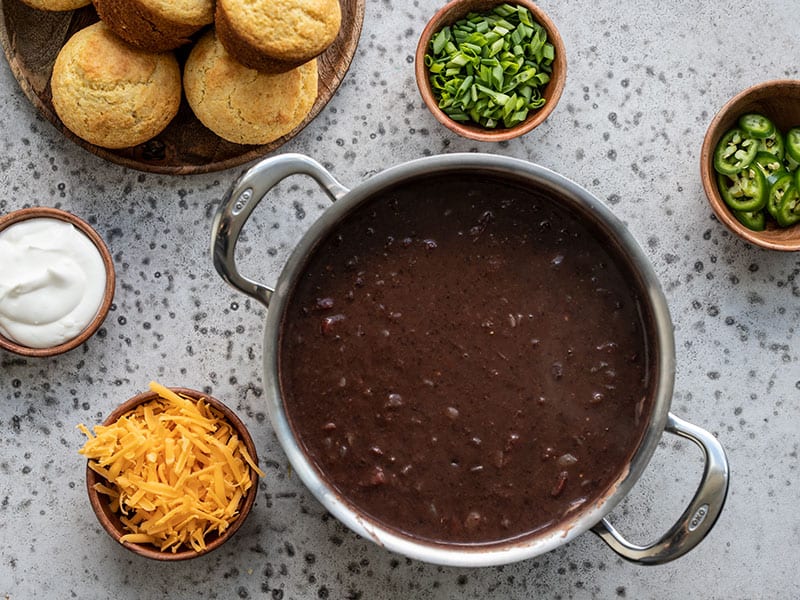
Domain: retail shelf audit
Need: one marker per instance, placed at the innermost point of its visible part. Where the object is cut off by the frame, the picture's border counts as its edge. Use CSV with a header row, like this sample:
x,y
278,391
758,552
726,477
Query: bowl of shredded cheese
x,y
171,474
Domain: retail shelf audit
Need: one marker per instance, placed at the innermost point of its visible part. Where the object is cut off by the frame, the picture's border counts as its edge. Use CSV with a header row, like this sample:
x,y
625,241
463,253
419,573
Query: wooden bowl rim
x,y
457,9
37,212
764,239
99,504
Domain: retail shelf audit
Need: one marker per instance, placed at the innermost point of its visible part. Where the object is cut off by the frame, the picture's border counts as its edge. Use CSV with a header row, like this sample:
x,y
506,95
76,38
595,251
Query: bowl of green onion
x,y
491,71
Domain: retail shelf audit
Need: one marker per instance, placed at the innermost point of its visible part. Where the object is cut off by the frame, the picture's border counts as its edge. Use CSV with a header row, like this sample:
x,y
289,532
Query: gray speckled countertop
x,y
645,79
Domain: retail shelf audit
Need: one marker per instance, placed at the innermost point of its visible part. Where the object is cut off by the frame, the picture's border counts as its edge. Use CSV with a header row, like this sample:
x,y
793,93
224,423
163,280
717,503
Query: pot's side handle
x,y
701,514
246,193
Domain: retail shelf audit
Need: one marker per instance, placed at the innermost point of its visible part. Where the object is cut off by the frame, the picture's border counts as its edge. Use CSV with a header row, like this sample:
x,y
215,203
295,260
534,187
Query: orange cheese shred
x,y
174,469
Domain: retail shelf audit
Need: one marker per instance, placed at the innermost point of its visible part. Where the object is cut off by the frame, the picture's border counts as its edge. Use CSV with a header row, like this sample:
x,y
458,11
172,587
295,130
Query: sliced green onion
x,y
524,16
491,67
440,39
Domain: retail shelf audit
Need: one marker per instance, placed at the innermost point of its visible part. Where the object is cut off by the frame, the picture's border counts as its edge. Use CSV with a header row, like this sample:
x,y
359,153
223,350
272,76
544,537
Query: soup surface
x,y
465,362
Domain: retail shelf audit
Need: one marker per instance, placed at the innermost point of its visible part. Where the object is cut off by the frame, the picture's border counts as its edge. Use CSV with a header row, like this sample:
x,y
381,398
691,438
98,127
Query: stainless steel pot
x,y
704,508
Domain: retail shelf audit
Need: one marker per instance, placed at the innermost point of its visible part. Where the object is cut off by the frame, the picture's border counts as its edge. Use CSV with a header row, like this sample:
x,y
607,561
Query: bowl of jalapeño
x,y
750,165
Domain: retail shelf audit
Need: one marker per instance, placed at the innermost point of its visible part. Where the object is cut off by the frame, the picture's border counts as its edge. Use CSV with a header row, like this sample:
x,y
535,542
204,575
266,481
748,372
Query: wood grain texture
x,y
31,41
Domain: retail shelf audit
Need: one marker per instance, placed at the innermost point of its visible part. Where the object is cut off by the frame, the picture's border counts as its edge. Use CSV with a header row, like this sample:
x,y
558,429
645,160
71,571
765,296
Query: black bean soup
x,y
465,362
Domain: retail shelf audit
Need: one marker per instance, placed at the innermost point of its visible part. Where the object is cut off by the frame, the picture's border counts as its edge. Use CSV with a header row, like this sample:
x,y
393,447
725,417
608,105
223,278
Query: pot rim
x,y
529,545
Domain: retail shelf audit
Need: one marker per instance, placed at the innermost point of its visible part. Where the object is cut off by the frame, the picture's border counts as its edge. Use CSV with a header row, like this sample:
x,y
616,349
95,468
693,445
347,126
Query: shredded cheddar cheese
x,y
175,470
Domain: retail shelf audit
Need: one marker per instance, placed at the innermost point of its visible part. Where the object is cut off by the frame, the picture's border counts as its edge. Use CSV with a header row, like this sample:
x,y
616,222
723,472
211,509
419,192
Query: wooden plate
x,y
32,39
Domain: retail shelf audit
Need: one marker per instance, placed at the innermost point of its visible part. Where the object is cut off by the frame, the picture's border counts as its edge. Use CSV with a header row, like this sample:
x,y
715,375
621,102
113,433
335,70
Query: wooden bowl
x,y
458,9
108,295
110,520
779,100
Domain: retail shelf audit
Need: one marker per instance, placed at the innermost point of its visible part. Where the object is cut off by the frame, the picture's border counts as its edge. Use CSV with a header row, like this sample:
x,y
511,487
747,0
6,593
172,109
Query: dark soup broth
x,y
465,360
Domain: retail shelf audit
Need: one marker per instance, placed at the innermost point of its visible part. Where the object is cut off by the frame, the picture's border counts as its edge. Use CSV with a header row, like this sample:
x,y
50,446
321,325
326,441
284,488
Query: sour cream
x,y
52,282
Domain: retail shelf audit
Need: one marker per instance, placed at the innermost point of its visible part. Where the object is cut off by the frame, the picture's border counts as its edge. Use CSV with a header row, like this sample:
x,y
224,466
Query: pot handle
x,y
701,514
245,194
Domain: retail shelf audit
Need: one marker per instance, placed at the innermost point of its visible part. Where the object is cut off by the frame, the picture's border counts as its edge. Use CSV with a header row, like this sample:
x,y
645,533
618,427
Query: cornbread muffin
x,y
155,25
111,94
277,35
243,105
57,5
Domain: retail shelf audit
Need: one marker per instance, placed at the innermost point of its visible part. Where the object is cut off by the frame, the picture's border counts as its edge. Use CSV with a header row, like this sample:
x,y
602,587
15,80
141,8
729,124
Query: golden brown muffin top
x,y
285,29
189,12
111,94
243,105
